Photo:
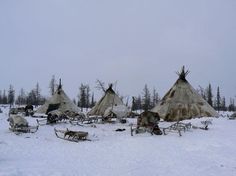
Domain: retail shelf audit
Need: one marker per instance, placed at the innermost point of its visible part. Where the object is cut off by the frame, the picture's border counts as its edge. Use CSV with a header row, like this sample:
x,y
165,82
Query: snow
x,y
196,152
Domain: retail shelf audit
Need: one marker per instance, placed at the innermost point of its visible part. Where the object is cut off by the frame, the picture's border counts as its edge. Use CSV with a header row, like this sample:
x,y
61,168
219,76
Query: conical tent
x,y
59,101
183,102
110,99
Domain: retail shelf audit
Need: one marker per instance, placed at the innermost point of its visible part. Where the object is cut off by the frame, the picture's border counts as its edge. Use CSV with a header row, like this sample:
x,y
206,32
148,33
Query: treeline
x,y
33,97
147,99
218,102
85,98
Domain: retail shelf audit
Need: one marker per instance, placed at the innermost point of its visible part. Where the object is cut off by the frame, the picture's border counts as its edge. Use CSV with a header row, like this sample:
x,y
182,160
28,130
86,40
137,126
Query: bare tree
x,y
37,94
231,105
218,99
21,99
136,103
155,98
4,97
87,96
34,97
82,96
92,101
223,104
100,85
146,101
52,85
0,97
11,95
209,95
201,91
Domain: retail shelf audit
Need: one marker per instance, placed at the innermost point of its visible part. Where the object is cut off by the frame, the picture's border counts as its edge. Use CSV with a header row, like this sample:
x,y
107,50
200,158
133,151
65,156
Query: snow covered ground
x,y
197,152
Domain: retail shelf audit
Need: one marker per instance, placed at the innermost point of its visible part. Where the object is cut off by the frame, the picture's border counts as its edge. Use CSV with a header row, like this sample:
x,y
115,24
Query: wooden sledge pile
x,y
95,119
180,127
177,127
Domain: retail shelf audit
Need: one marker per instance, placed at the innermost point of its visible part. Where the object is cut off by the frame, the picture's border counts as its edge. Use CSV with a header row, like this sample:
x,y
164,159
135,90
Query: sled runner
x,y
154,129
53,118
88,120
73,136
24,129
42,122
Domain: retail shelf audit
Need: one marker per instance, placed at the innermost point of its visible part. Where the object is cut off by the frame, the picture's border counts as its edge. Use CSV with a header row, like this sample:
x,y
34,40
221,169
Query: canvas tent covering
x,y
110,99
59,101
119,111
183,102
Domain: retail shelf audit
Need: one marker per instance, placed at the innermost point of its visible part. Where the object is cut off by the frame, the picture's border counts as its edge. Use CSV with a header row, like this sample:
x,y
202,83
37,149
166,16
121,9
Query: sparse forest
x,y
146,100
33,97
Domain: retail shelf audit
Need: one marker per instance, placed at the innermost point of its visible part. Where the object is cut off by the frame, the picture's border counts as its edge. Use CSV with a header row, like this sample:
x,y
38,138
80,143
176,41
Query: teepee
x,y
183,102
59,101
109,101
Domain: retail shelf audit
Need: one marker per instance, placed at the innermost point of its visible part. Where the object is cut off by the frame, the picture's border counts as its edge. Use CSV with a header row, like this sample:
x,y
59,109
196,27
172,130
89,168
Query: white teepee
x,y
109,100
183,102
59,101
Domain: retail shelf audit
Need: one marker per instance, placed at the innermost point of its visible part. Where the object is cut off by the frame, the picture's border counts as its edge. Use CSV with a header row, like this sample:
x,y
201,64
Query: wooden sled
x,y
75,122
205,127
24,129
152,130
73,136
90,120
82,124
42,122
177,127
205,124
136,130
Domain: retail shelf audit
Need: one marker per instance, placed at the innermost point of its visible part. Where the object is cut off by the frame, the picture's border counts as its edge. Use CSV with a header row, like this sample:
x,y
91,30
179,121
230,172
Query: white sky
x,y
133,42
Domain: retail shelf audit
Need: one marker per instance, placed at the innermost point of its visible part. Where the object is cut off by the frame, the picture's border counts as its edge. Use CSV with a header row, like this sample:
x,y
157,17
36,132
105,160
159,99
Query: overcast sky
x,y
133,42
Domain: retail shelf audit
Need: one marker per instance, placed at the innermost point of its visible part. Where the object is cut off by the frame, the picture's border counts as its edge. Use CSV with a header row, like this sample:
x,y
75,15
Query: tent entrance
x,y
52,107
